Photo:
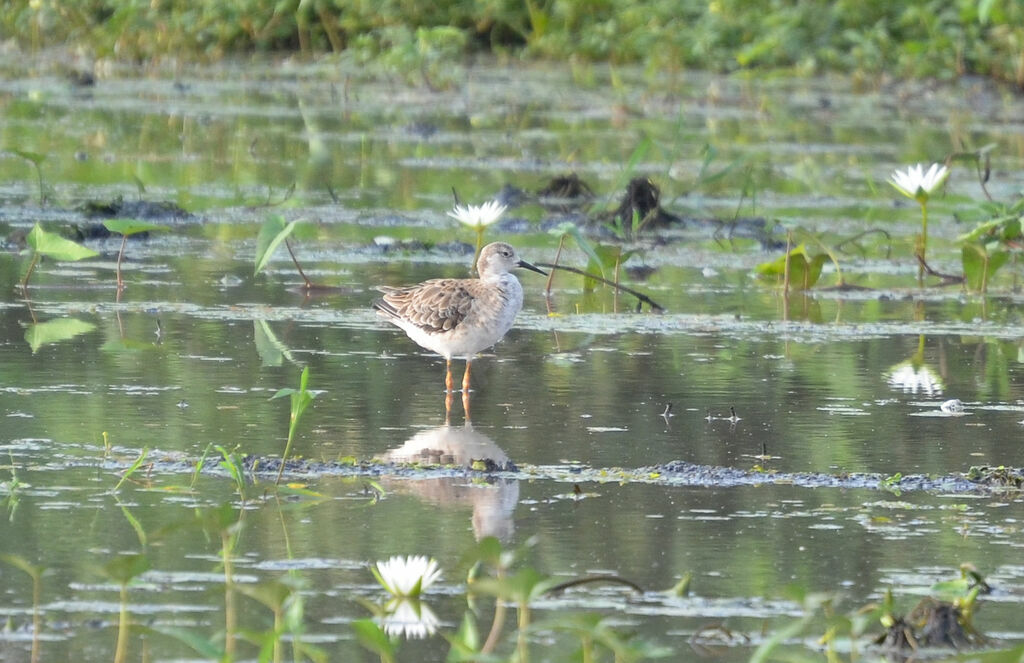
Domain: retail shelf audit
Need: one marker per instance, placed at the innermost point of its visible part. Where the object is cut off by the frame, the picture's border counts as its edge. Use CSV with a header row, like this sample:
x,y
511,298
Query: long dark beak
x,y
532,268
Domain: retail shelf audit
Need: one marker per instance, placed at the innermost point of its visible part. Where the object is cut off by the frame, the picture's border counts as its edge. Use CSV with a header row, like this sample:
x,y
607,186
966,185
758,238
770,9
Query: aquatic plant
x,y
233,466
132,469
598,631
523,587
300,400
372,636
35,572
51,245
477,217
998,230
36,159
123,570
38,334
273,232
224,523
198,469
918,185
285,600
599,259
406,576
796,269
126,228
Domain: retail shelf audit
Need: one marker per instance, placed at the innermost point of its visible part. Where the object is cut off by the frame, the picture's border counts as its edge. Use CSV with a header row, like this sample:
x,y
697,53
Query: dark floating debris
x,y
641,201
566,187
119,208
932,623
996,477
135,209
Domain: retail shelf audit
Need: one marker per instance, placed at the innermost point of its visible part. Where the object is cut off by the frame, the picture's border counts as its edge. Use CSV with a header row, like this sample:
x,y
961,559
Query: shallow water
x,y
832,382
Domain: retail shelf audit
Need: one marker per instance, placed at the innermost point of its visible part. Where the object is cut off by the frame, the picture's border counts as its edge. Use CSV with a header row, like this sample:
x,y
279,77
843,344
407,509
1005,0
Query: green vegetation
x,y
126,228
300,400
51,245
926,38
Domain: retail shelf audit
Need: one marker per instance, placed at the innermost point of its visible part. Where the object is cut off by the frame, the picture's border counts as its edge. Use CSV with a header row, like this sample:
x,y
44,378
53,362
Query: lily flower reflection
x,y
913,377
406,576
408,618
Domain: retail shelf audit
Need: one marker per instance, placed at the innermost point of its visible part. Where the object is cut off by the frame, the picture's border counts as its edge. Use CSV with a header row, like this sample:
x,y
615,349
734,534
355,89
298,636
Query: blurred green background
x,y
865,37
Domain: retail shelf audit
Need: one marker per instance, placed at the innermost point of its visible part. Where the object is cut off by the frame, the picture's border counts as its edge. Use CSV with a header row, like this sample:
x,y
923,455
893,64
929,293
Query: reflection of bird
x,y
460,317
449,445
493,502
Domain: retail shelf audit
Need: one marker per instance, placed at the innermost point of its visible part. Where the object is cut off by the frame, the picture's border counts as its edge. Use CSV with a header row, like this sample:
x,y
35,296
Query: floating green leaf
x,y
274,231
132,226
804,270
54,246
55,331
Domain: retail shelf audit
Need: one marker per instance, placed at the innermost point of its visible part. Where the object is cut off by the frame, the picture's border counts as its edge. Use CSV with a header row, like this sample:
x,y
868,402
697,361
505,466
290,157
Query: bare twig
x,y
644,299
309,284
551,275
589,579
948,279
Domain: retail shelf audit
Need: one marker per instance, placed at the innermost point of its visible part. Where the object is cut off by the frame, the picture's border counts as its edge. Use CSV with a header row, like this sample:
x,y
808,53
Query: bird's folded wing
x,y
438,305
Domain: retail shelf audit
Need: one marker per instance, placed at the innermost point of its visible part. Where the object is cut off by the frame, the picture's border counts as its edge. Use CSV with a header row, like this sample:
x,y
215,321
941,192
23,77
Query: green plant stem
x,y
924,241
37,619
230,615
524,624
121,650
496,625
287,449
120,257
785,270
278,629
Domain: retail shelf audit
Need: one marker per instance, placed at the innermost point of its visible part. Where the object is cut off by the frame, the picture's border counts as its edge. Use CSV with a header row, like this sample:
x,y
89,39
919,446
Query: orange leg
x,y
465,378
448,398
449,383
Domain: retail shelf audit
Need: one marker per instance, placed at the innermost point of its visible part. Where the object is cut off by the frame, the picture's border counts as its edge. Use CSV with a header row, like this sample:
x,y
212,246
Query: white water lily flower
x,y
478,216
406,576
915,183
409,618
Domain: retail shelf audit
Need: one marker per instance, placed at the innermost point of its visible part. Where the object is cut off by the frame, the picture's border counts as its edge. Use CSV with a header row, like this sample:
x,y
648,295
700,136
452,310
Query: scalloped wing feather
x,y
435,306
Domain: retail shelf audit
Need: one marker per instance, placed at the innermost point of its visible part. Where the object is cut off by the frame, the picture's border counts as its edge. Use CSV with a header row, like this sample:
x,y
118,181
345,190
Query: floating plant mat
x,y
978,480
